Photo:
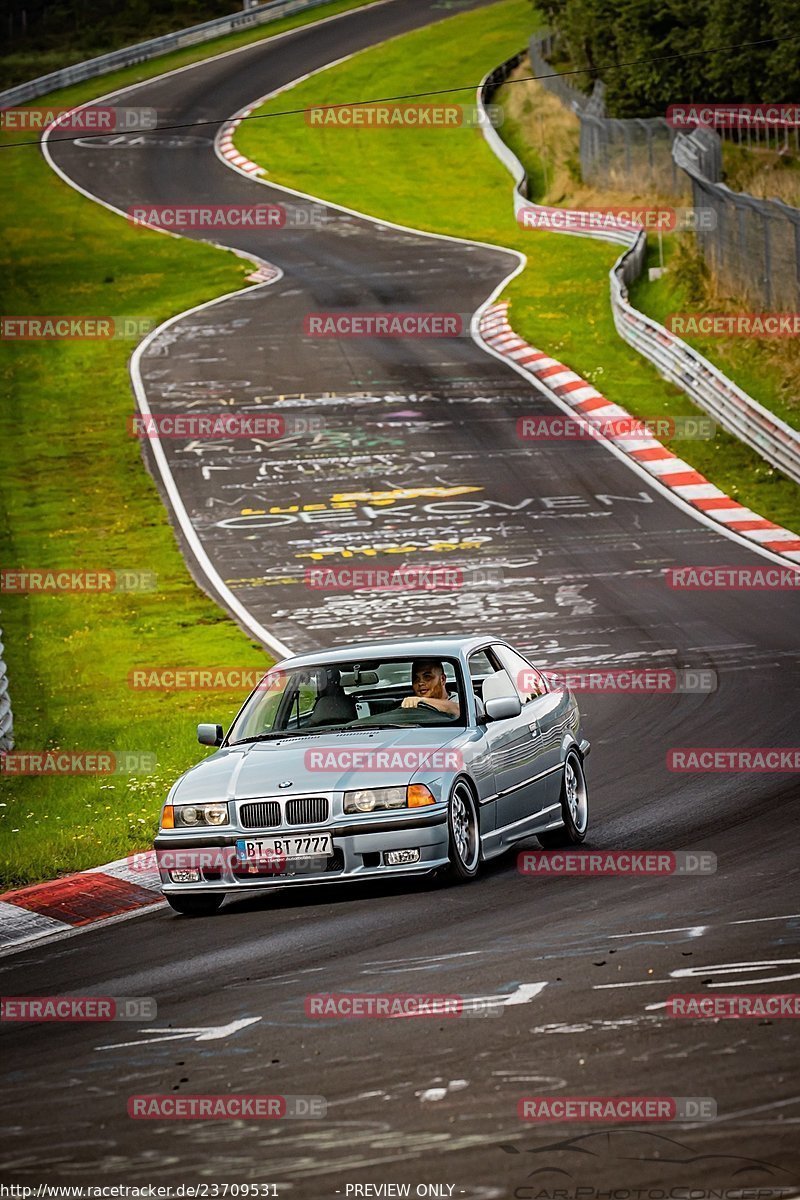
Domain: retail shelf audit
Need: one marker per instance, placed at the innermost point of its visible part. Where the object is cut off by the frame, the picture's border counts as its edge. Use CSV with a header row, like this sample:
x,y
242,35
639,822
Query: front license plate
x,y
293,845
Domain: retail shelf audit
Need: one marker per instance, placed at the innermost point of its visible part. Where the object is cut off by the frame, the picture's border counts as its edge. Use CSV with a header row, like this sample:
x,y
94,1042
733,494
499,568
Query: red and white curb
x,y
593,408
228,150
60,906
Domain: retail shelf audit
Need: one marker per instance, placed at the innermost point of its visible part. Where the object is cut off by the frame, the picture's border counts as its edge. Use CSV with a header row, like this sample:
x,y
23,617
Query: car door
x,y
550,714
514,745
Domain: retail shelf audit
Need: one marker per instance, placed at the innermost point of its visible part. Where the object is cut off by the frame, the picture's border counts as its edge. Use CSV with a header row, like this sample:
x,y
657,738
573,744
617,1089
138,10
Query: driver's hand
x,y
410,702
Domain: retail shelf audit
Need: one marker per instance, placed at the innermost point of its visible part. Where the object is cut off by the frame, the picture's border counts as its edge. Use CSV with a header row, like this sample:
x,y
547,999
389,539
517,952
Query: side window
x,y
528,681
481,664
299,698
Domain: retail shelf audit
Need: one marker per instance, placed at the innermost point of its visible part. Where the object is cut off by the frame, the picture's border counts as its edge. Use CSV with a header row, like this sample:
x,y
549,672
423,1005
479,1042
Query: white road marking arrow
x,y
522,994
208,1034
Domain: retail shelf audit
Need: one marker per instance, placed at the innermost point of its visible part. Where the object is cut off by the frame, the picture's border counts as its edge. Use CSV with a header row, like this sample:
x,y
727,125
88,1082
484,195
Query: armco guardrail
x,y
143,51
704,383
6,718
717,395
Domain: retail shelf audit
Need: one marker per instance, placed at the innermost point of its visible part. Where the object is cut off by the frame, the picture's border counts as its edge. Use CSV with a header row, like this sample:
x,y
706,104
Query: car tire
x,y
196,904
463,829
574,807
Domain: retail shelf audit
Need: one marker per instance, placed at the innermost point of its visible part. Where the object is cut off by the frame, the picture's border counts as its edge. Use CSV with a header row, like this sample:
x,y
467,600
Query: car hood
x,y
321,763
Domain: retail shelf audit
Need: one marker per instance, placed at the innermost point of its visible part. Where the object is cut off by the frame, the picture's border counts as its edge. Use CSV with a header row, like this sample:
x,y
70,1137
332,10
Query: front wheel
x,y
195,904
574,807
464,834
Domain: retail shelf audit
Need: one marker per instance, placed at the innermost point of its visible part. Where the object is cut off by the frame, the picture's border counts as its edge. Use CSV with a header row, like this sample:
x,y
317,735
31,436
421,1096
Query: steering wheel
x,y
428,708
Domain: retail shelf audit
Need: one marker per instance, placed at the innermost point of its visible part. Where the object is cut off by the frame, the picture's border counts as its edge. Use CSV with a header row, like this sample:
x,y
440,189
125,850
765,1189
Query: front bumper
x,y
359,846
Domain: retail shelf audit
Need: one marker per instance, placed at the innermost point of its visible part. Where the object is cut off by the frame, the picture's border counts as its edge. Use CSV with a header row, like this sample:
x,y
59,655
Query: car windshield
x,y
352,695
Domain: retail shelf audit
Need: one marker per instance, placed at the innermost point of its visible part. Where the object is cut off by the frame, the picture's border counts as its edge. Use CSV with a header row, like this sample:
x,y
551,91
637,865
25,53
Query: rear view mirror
x,y
359,678
210,735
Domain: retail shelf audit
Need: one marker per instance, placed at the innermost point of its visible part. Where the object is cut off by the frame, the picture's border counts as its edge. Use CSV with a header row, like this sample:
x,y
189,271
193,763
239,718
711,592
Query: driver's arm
x,y
450,707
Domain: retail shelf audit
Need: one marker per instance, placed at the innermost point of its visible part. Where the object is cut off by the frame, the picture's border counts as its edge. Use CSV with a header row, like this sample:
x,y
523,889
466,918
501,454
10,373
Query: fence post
x,y
767,261
6,716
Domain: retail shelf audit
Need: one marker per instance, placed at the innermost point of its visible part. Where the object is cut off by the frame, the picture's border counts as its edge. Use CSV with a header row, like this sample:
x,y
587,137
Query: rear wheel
x,y
195,904
574,807
464,834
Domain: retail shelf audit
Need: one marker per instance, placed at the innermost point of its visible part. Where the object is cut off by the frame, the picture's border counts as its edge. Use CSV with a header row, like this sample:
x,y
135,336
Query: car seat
x,y
333,706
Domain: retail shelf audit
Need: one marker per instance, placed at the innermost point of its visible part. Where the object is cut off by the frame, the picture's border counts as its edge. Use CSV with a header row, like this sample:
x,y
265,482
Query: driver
x,y
428,684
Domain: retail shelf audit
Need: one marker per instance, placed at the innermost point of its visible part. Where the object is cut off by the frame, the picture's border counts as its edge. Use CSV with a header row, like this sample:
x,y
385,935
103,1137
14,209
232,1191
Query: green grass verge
x,y
74,494
448,181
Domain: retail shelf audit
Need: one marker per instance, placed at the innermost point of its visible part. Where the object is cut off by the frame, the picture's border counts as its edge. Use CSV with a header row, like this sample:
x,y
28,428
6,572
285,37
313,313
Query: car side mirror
x,y
501,708
210,735
499,697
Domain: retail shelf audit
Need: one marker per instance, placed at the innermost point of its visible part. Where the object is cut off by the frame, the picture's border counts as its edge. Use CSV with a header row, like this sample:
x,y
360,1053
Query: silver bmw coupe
x,y
386,758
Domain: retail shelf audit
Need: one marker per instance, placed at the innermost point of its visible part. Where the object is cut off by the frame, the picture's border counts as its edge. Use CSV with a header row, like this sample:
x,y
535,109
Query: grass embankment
x,y
74,494
770,174
448,181
545,136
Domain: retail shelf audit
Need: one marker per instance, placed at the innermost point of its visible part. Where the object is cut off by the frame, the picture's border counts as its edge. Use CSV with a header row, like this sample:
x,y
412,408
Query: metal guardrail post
x,y
6,716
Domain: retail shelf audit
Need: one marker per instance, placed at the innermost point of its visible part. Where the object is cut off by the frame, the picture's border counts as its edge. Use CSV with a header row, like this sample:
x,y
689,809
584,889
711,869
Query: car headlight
x,y
370,799
192,816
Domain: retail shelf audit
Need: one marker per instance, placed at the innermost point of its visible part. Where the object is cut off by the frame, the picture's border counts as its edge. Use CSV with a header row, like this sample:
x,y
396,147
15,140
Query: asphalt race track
x,y
581,541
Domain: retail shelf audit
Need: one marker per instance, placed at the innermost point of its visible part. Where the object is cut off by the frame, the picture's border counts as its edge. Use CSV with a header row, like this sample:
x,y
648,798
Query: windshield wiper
x,y
321,729
384,725
293,733
258,737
